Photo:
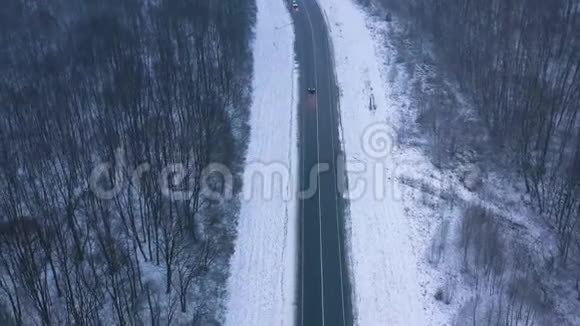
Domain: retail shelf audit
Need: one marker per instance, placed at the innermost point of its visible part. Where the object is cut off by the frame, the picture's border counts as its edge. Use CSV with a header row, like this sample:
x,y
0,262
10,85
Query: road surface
x,y
324,291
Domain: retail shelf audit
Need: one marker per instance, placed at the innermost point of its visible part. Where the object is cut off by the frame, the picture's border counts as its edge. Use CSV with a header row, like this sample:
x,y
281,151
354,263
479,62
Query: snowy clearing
x,y
262,282
385,247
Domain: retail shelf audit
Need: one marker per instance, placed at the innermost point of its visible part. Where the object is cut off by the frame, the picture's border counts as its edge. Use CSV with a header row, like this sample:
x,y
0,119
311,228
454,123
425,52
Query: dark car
x,y
311,90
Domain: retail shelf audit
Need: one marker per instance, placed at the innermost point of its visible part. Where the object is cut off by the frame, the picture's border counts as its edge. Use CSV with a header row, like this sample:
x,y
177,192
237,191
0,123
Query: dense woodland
x,y
519,61
137,85
517,64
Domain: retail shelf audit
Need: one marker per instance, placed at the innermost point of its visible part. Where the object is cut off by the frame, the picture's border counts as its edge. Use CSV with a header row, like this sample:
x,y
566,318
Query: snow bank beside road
x,y
384,248
262,282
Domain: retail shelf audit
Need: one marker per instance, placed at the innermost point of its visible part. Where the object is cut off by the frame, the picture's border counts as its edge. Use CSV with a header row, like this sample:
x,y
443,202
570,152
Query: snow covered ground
x,y
262,282
386,244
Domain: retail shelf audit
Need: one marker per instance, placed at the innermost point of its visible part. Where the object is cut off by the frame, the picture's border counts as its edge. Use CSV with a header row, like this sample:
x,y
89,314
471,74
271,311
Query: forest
x,y
516,65
520,63
133,87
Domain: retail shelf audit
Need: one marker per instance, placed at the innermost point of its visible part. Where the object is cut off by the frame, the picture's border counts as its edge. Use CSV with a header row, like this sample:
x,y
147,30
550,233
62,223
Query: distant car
x,y
295,5
311,90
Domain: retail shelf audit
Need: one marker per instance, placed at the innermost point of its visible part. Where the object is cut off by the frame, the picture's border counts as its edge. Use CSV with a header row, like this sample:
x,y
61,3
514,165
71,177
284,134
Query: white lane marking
x,y
336,180
318,162
303,216
334,170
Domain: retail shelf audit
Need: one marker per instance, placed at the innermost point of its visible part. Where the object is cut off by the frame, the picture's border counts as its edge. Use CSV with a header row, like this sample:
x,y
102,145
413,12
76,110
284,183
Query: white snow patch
x,y
386,245
262,282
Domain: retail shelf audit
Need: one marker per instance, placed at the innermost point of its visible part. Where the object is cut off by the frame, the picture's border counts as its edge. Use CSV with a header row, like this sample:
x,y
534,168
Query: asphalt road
x,y
324,290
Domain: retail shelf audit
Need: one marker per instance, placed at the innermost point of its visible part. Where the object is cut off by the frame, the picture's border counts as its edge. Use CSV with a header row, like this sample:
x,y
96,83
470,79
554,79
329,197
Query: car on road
x,y
295,5
311,90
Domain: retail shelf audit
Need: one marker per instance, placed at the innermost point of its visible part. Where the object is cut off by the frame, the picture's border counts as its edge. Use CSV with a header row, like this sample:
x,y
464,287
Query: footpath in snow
x,y
383,248
262,282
